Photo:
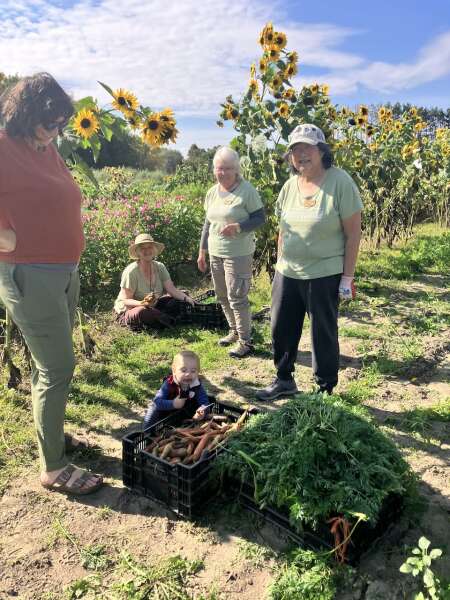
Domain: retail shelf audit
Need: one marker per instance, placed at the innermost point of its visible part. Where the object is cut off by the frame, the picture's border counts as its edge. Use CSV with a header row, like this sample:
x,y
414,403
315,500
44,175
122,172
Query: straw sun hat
x,y
144,238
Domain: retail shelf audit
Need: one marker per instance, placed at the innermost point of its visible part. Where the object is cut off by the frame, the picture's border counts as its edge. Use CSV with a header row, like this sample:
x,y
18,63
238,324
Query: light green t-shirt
x,y
234,207
134,280
313,240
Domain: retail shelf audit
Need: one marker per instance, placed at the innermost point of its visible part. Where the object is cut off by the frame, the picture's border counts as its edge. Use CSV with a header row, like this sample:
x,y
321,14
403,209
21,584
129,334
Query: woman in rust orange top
x,y
41,240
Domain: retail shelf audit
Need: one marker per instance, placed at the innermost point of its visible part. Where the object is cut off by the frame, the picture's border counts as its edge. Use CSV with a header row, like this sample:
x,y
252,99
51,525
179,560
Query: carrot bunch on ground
x,y
193,441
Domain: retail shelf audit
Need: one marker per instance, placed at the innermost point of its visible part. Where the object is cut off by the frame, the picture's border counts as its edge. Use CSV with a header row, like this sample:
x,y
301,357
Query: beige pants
x,y
232,278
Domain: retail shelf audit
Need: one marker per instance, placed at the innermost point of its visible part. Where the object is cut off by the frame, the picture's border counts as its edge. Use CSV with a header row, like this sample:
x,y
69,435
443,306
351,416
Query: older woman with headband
x,y
233,211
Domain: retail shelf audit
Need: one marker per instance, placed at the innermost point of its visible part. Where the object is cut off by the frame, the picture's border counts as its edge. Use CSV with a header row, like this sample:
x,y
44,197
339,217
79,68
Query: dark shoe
x,y
229,339
326,388
278,387
240,350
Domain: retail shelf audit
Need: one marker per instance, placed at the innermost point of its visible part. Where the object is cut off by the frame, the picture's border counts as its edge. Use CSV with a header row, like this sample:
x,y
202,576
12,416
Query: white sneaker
x,y
229,339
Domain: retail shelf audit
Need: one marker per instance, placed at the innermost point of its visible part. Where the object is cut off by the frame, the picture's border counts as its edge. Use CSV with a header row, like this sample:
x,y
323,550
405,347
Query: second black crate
x,y
208,315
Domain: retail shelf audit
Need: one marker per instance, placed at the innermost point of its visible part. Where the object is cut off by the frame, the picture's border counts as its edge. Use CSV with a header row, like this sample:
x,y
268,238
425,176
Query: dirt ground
x,y
43,531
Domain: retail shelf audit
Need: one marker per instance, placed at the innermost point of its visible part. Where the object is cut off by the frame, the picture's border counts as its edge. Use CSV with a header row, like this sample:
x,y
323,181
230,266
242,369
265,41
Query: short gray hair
x,y
230,155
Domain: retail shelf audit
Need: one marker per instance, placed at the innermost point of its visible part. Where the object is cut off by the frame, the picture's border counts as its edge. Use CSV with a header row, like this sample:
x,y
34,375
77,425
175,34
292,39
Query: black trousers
x,y
291,300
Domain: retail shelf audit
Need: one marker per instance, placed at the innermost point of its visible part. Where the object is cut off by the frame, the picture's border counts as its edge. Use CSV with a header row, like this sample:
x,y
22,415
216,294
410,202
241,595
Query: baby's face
x,y
186,370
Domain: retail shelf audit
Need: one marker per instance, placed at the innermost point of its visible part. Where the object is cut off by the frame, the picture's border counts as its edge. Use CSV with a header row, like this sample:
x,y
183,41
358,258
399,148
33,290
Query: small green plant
x,y
304,576
256,554
86,587
420,564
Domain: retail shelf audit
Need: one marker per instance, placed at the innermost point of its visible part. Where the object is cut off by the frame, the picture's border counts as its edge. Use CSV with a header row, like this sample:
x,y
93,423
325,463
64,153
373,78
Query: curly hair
x,y
327,157
32,101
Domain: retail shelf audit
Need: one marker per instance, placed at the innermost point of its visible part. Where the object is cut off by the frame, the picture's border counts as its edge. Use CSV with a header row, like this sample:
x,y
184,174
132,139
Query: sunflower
x,y
358,163
279,39
361,119
289,94
263,65
290,70
314,88
86,123
413,112
276,82
373,147
125,101
167,118
345,111
231,112
332,113
381,113
283,109
370,130
419,126
325,89
406,151
152,129
292,57
266,36
134,121
273,52
168,134
253,86
398,126
363,110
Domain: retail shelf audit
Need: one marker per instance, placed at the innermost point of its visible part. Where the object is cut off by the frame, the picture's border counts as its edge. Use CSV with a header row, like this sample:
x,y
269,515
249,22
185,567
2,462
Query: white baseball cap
x,y
306,133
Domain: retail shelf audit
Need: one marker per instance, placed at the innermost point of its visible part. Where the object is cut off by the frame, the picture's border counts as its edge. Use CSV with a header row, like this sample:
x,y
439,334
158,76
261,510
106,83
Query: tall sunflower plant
x,y
91,125
391,159
264,117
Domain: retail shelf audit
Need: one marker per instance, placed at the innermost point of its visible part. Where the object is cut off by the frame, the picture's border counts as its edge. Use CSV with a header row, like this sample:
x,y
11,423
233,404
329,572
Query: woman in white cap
x,y
319,209
145,286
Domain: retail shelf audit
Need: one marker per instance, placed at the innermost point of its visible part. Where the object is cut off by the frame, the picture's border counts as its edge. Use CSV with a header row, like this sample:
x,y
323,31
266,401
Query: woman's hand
x,y
201,262
8,240
189,300
231,230
179,402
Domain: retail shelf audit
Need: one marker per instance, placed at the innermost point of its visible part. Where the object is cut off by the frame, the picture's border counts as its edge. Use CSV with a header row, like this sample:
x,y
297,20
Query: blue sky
x,y
189,55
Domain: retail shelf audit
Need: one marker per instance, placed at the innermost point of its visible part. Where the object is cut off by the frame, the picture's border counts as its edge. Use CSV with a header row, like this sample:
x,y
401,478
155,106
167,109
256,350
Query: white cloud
x,y
188,55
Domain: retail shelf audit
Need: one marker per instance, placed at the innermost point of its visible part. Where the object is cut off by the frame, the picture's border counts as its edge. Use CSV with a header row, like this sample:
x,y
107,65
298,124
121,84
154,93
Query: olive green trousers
x,y
42,303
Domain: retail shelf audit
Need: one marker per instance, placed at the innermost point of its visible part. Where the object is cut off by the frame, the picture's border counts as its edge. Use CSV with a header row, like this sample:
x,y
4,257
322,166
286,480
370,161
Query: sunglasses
x,y
59,125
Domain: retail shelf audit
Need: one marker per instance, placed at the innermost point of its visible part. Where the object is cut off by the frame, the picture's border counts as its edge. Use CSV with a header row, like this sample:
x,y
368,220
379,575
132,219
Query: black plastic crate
x,y
207,316
321,539
182,488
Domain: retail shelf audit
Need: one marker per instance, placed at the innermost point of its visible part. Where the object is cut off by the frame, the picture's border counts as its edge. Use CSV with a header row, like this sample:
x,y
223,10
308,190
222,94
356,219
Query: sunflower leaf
x,y
106,87
84,168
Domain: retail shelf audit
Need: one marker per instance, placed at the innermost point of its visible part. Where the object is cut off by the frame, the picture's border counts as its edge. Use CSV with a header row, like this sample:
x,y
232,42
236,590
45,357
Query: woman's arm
x,y
127,296
176,293
201,260
254,220
352,233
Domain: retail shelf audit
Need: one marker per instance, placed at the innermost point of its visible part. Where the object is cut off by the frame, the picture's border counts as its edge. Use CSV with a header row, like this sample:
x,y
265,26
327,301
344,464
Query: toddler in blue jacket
x,y
181,389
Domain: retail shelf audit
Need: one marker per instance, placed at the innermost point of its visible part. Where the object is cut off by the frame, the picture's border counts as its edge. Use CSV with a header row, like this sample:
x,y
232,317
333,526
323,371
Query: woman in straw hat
x,y
146,287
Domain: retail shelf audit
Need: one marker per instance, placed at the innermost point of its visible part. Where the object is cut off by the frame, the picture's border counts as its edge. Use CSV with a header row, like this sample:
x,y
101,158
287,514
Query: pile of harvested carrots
x,y
192,442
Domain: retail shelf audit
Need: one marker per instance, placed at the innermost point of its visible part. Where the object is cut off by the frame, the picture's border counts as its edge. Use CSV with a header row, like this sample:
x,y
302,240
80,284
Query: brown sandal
x,y
79,487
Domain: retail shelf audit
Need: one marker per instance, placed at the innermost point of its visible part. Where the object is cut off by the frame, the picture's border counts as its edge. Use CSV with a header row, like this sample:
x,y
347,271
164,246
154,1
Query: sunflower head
x,y
273,52
231,112
358,163
361,120
292,57
85,123
283,109
289,94
253,86
279,39
263,65
290,70
152,129
363,110
267,35
277,81
413,112
398,126
134,121
314,88
125,101
419,126
325,89
370,130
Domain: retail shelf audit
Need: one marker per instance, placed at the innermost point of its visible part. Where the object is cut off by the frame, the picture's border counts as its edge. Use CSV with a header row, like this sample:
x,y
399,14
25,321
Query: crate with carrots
x,y
171,461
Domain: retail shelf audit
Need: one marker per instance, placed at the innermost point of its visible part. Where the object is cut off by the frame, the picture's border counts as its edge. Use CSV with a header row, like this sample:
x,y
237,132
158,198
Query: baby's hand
x,y
199,413
179,402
